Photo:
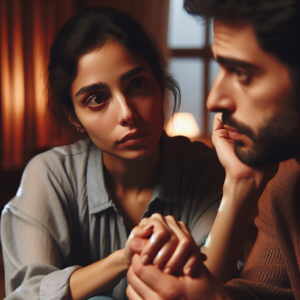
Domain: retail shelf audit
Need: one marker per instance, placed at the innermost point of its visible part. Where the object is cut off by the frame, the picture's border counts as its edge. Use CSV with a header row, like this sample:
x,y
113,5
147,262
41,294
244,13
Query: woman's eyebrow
x,y
90,88
132,72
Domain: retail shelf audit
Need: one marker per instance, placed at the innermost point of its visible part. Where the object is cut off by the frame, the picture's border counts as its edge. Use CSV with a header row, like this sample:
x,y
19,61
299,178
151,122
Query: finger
x,y
166,251
139,288
141,231
192,261
161,234
137,244
218,128
195,254
218,123
132,294
186,242
152,278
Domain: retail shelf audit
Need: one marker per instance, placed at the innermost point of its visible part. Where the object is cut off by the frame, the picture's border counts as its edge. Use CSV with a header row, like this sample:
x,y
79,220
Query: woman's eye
x,y
96,100
138,84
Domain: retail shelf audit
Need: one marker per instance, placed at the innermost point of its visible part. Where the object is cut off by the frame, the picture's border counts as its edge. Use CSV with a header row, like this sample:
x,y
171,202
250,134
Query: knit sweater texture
x,y
272,270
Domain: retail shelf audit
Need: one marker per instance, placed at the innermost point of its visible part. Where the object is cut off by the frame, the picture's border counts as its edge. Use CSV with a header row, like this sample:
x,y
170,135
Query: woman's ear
x,y
74,120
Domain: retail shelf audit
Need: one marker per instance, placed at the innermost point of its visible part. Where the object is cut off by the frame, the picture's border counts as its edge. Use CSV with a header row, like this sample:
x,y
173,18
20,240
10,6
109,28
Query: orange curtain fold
x,y
27,29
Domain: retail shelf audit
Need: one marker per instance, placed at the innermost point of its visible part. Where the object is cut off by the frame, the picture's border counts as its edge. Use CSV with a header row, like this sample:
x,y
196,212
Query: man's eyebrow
x,y
90,88
132,72
237,63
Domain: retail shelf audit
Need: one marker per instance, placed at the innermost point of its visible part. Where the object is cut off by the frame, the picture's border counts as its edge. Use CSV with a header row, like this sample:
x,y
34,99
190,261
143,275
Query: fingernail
x,y
131,235
167,270
145,259
148,227
188,271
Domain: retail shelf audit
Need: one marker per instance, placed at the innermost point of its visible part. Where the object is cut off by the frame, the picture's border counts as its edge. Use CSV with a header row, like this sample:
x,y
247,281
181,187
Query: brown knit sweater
x,y
273,268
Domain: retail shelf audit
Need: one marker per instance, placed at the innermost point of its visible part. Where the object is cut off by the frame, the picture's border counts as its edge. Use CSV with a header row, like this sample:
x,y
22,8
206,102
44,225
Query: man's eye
x,y
96,100
243,76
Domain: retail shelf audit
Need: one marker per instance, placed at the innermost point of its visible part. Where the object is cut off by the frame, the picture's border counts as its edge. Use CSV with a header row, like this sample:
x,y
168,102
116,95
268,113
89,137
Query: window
x,y
189,41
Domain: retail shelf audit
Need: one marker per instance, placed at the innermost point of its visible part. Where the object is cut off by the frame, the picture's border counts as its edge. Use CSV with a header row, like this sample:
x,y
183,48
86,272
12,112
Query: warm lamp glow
x,y
183,124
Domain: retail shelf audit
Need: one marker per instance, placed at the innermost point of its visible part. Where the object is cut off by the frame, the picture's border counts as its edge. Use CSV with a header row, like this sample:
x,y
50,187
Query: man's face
x,y
253,90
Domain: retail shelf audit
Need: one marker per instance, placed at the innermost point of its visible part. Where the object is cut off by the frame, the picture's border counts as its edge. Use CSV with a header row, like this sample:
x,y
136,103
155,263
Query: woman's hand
x,y
142,232
171,246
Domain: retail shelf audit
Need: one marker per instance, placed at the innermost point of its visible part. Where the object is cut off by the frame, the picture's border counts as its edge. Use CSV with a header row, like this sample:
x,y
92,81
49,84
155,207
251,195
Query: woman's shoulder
x,y
52,178
62,156
59,166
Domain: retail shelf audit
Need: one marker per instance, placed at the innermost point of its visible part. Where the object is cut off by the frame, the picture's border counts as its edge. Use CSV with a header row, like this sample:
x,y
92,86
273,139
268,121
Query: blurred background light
x,y
183,124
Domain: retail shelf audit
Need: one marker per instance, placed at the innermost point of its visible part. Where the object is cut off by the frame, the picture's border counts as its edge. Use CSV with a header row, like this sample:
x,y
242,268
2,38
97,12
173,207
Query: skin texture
x,y
124,106
118,102
253,88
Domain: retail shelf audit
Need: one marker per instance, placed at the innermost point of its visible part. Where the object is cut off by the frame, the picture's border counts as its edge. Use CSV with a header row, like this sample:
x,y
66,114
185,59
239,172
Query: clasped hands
x,y
166,263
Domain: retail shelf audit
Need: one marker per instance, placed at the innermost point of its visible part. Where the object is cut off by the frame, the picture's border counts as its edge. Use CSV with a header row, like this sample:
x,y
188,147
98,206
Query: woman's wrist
x,y
121,260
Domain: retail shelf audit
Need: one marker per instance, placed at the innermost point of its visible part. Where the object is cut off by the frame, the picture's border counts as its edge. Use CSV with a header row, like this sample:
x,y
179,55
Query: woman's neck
x,y
132,174
130,184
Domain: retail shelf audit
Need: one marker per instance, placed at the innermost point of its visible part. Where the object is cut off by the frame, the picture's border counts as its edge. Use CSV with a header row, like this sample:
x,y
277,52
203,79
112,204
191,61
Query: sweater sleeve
x,y
265,275
35,236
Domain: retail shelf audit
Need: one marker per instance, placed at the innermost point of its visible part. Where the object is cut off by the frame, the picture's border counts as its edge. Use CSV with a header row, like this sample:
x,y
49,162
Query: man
x,y
257,45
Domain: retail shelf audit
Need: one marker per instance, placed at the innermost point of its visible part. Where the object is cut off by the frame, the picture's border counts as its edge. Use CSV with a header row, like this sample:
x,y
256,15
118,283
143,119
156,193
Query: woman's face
x,y
118,102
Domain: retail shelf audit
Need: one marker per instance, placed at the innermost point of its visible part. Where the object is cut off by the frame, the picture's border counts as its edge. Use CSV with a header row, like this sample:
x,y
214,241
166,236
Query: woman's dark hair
x,y
276,24
88,31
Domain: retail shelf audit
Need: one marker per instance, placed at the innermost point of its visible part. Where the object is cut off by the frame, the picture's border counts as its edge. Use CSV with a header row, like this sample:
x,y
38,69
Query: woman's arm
x,y
104,274
242,188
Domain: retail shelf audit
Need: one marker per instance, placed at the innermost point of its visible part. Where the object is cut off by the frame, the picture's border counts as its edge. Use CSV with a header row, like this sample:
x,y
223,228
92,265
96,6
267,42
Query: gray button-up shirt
x,y
62,218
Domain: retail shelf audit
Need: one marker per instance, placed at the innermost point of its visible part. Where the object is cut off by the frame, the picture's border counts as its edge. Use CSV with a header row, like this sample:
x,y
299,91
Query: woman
x,y
65,232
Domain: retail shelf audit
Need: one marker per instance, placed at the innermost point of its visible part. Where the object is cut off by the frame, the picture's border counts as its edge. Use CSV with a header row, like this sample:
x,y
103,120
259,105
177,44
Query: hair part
x,y
86,32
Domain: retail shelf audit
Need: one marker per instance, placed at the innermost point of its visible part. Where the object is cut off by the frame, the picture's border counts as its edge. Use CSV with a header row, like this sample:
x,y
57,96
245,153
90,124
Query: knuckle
x,y
157,216
164,234
171,219
185,243
144,221
174,239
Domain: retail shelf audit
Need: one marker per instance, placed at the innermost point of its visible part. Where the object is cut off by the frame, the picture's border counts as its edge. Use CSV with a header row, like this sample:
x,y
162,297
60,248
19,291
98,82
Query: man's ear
x,y
74,120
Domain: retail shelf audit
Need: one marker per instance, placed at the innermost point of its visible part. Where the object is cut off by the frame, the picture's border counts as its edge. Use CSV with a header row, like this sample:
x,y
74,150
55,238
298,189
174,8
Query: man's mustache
x,y
241,128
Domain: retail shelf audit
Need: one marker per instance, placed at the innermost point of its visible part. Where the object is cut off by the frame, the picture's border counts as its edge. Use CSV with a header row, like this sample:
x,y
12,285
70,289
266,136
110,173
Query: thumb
x,y
137,244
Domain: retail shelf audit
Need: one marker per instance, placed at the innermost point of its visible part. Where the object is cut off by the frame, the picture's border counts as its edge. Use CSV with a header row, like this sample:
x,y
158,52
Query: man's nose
x,y
127,111
221,97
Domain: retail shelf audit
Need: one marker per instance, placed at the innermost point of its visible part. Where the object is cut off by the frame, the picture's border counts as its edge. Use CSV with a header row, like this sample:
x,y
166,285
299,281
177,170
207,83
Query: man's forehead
x,y
236,40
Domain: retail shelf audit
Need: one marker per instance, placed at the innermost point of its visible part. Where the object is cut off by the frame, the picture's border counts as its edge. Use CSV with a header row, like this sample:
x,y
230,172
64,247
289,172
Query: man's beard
x,y
277,140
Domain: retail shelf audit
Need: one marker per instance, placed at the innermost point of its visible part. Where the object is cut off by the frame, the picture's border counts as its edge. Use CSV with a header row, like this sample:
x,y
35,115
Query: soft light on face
x,y
253,90
118,102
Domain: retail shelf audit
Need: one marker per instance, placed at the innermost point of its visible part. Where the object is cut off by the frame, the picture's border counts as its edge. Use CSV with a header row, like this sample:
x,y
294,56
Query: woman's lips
x,y
133,138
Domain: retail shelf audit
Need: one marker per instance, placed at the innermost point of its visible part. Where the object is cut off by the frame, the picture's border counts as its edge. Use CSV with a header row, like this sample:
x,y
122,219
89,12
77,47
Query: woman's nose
x,y
221,97
127,111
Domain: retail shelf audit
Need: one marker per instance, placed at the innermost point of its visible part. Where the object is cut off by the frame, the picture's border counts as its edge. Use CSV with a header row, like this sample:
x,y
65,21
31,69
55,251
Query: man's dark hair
x,y
88,31
276,24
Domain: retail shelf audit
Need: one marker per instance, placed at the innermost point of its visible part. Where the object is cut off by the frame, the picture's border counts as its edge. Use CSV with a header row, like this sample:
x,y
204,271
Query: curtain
x,y
28,28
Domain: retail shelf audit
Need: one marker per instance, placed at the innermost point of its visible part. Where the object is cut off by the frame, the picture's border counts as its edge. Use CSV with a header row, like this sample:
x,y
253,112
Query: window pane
x,y
189,73
213,72
184,31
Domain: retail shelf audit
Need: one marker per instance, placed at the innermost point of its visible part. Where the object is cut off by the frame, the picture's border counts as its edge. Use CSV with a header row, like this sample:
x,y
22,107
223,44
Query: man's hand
x,y
150,283
235,169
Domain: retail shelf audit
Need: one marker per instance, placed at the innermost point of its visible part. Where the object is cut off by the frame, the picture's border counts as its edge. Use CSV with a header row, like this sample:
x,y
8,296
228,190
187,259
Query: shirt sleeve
x,y
35,236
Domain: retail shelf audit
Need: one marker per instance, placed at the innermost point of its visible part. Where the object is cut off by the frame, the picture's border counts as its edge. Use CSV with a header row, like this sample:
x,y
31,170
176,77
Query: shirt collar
x,y
167,188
